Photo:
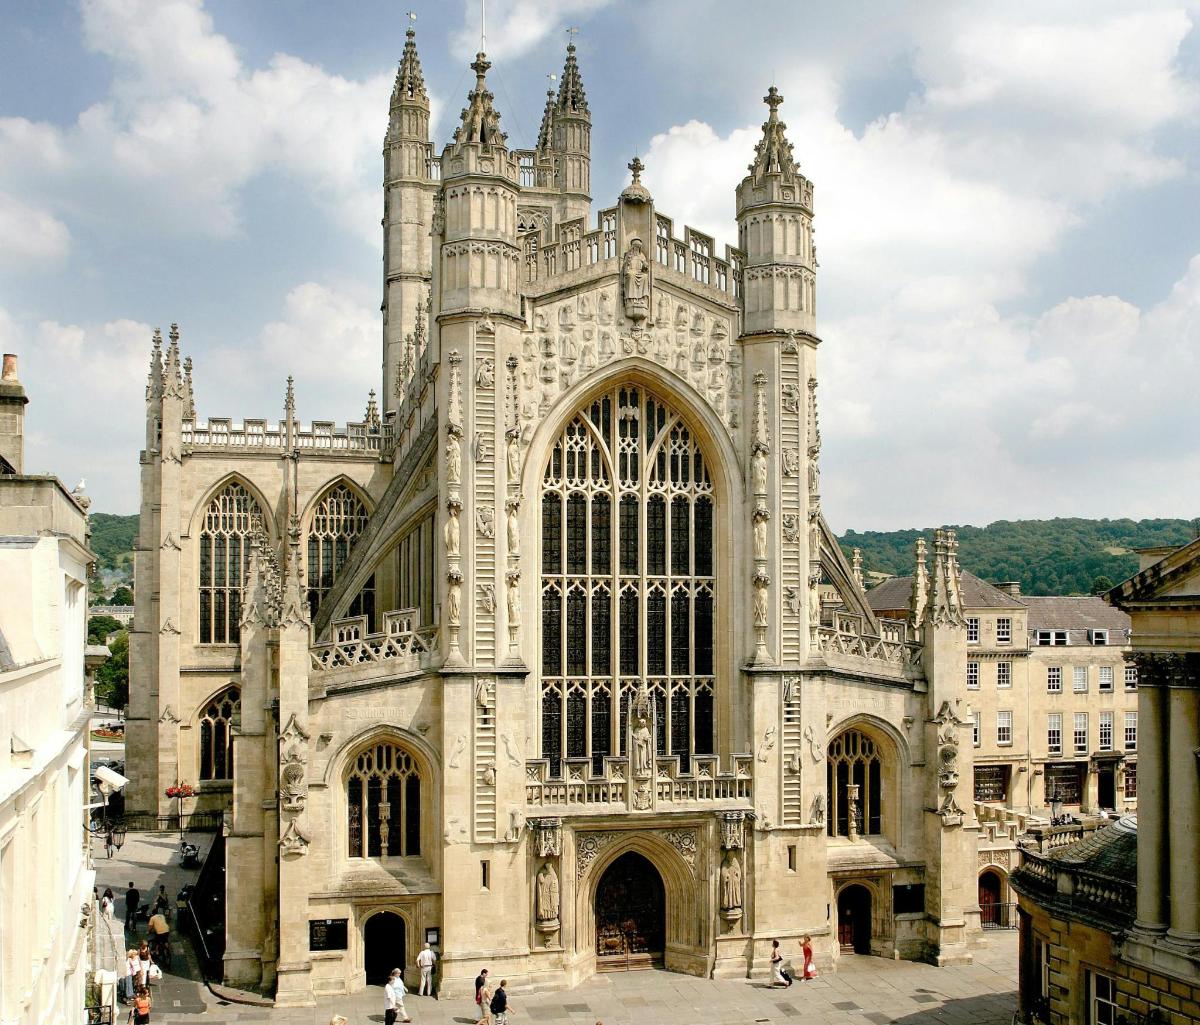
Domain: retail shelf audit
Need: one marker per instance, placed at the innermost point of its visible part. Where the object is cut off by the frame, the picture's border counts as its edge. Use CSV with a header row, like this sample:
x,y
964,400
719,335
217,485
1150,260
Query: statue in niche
x,y
585,308
681,317
604,304
698,323
643,747
761,515
664,311
454,599
791,527
716,351
485,694
451,532
759,461
791,399
489,776
566,318
814,599
698,354
635,280
731,883
453,461
485,376
513,579
681,355
814,477
514,528
817,815
549,372
529,346
570,351
793,599
662,347
588,355
760,601
548,348
547,893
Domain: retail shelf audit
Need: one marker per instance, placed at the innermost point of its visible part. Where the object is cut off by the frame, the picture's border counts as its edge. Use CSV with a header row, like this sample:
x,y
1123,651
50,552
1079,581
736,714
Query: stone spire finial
x,y
920,585
856,567
571,97
546,132
371,416
635,191
943,607
154,384
773,153
172,371
410,82
289,397
480,120
189,397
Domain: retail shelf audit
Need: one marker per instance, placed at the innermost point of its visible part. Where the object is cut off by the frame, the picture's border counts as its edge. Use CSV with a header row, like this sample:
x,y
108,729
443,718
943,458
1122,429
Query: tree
x,y
121,596
112,678
101,627
1102,584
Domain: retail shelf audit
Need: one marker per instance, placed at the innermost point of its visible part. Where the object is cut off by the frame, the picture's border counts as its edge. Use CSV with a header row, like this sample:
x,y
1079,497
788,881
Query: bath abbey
x,y
551,660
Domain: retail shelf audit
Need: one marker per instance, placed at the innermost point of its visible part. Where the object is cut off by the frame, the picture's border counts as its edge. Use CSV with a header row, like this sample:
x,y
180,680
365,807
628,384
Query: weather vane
x,y
573,31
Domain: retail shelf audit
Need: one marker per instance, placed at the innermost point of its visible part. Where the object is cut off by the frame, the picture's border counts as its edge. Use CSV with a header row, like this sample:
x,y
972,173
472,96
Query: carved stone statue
x,y
635,281
760,601
817,815
484,696
759,462
642,749
514,598
451,532
547,894
485,520
761,515
514,529
453,461
791,462
454,600
485,376
513,454
731,883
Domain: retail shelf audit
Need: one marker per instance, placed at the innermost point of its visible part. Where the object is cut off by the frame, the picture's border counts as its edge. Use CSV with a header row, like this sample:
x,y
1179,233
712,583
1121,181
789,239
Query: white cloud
x,y
30,236
515,27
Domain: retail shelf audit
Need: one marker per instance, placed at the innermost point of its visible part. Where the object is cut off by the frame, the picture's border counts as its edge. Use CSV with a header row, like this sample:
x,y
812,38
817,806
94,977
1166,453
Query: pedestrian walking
x,y
133,899
482,1011
810,966
139,1013
393,999
162,902
779,974
107,902
485,1005
145,960
499,1004
425,961
110,843
133,969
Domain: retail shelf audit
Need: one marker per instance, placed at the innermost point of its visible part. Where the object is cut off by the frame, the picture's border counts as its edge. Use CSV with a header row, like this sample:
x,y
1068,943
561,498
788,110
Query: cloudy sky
x,y
1007,217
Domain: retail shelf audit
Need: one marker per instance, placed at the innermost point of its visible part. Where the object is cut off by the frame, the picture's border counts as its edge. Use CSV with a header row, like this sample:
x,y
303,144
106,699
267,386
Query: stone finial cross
x,y
773,99
637,167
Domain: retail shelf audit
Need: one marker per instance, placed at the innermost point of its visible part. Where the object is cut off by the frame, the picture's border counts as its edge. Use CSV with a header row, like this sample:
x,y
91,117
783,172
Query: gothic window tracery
x,y
854,759
383,803
224,558
216,738
628,586
338,520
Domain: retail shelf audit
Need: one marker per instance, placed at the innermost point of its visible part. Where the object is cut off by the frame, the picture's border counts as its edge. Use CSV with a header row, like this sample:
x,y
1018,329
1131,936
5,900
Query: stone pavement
x,y
863,991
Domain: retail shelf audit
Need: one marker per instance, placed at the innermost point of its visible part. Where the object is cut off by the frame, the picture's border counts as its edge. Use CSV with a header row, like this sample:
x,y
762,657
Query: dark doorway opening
x,y
990,891
631,915
854,919
1106,788
383,946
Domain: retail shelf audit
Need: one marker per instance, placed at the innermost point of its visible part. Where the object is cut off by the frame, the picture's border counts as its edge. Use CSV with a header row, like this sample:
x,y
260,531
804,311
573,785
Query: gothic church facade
x,y
551,658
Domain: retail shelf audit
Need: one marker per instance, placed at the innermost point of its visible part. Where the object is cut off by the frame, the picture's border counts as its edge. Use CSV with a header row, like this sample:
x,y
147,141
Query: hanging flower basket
x,y
181,790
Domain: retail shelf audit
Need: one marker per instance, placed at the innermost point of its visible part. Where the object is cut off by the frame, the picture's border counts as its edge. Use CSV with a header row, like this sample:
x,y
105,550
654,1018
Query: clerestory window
x,y
225,532
628,592
338,520
383,803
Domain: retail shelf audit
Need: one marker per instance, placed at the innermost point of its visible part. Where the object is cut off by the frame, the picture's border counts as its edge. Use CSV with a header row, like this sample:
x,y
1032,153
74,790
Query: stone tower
x,y
409,192
571,137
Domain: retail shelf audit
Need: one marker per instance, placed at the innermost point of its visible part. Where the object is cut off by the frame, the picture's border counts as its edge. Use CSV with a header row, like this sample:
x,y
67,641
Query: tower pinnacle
x,y
773,153
410,82
480,121
571,97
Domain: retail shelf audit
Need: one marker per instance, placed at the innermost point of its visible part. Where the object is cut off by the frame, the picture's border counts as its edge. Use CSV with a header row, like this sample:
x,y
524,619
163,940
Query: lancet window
x,y
854,760
383,803
216,737
224,558
628,591
339,518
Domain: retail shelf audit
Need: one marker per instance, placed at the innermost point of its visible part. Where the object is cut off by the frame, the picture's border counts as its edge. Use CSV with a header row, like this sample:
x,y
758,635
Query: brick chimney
x,y
1011,587
12,418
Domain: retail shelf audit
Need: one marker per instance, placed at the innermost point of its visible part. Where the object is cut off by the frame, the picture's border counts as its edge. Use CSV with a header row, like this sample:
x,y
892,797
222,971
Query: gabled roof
x,y
896,593
1178,572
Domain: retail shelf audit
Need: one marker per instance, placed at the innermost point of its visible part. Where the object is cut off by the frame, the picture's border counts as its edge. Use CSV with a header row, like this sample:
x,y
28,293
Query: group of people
x,y
142,962
780,976
491,1005
394,991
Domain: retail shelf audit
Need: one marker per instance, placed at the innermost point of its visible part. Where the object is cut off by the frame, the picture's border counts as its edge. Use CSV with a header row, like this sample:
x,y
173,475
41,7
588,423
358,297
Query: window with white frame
x,y
1079,676
972,675
1099,637
1130,676
1106,678
1004,727
972,629
1003,674
977,722
1054,679
1054,733
1081,732
1102,999
1131,731
1003,630
1048,638
1106,731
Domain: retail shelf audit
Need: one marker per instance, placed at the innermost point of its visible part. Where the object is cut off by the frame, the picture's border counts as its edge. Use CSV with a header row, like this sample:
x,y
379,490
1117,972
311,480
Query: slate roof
x,y
1077,615
976,594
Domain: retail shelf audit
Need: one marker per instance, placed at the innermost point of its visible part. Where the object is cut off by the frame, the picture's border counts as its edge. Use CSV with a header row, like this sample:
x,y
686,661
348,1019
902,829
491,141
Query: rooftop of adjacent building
x,y
896,593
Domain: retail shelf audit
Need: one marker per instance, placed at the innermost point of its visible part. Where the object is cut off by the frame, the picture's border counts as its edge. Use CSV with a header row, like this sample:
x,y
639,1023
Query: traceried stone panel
x,y
339,518
224,557
628,581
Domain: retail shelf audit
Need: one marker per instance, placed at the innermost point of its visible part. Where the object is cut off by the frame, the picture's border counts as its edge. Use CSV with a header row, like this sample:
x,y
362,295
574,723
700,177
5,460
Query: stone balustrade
x,y
320,436
402,645
579,789
892,648
1073,888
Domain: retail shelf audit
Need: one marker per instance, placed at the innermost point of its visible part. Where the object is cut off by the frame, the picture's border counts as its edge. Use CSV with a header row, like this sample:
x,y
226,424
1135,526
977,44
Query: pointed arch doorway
x,y
383,946
631,915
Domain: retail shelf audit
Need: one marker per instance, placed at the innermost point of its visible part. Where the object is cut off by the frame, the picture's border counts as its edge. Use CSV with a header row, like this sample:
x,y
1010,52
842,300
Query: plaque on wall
x,y
327,934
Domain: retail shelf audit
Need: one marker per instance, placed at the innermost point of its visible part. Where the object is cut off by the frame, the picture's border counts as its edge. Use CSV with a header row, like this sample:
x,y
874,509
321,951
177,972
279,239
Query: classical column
x,y
1152,792
1184,810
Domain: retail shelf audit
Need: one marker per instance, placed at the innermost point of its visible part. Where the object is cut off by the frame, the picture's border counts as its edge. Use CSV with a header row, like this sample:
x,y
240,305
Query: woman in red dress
x,y
810,966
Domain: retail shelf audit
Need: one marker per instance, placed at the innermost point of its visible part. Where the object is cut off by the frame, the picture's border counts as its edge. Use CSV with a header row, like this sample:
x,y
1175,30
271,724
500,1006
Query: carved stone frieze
x,y
547,837
293,843
733,829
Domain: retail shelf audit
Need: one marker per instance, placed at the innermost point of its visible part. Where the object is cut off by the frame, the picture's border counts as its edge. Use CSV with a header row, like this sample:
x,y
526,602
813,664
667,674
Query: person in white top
x,y
393,999
425,961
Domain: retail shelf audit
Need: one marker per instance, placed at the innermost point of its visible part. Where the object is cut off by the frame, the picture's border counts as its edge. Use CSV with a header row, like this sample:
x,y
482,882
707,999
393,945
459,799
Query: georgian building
x,y
533,660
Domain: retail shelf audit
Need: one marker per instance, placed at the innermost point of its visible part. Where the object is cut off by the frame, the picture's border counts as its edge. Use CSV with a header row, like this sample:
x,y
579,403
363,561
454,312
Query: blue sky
x,y
1007,218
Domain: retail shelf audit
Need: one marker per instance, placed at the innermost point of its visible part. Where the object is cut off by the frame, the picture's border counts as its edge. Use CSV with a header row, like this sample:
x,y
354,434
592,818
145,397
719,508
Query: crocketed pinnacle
x,y
410,82
773,153
546,132
480,121
571,97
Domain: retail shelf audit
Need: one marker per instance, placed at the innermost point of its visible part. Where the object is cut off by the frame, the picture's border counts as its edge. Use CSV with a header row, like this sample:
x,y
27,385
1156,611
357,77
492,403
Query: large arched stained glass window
x,y
339,518
627,582
383,803
216,734
854,760
224,558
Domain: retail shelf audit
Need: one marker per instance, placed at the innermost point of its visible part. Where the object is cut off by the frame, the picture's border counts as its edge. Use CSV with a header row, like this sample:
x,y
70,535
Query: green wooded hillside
x,y
1061,556
112,539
